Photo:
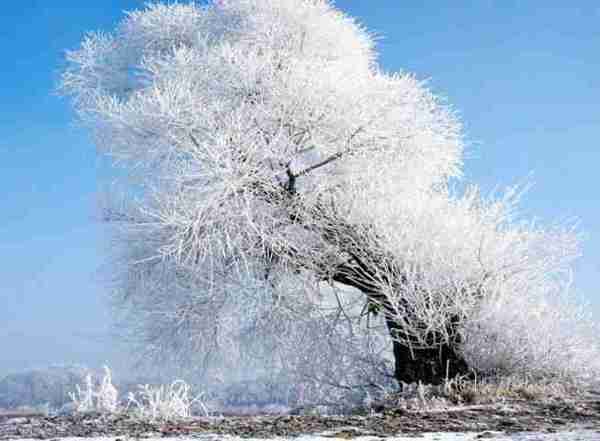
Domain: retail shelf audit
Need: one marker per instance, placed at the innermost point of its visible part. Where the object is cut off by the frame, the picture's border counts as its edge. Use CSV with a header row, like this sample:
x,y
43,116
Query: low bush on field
x,y
164,402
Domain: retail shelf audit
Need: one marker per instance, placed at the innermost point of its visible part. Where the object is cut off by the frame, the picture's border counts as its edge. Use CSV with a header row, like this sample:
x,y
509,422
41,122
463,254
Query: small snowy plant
x,y
105,399
151,402
107,395
84,398
165,402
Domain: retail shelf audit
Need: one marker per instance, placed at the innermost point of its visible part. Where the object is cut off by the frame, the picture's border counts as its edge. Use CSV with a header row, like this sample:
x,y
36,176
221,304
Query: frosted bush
x,y
150,402
534,335
107,394
103,399
165,402
83,398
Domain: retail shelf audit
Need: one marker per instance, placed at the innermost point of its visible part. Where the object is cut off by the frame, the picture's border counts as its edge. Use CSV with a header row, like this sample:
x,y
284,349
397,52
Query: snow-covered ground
x,y
581,435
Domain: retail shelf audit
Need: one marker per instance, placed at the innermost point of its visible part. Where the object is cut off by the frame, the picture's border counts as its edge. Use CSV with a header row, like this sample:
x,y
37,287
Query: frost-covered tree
x,y
279,184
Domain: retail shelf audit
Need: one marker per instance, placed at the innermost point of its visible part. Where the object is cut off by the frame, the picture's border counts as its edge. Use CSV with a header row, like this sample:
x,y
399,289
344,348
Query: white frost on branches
x,y
104,399
172,402
265,152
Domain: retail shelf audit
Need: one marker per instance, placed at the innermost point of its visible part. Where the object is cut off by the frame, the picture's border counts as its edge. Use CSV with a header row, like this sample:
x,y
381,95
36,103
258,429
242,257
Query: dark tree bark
x,y
431,365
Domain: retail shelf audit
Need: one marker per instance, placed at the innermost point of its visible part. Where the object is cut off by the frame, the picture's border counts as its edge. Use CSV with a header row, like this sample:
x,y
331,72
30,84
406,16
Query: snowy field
x,y
582,435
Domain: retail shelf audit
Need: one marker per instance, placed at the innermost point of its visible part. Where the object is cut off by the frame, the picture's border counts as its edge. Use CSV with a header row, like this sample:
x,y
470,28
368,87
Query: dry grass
x,y
495,389
490,390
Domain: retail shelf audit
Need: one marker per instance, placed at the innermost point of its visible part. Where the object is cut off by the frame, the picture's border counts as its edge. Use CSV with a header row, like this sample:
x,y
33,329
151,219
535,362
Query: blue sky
x,y
524,76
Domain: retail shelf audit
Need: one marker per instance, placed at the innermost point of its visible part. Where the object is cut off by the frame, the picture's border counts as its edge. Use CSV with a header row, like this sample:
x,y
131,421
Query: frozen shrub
x,y
165,402
104,399
150,402
537,335
83,398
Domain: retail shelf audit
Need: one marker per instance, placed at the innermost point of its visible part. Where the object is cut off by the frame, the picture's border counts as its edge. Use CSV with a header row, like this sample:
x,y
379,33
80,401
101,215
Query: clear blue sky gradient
x,y
524,75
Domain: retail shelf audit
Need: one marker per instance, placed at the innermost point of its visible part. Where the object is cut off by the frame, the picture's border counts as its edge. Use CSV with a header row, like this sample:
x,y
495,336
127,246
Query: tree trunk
x,y
430,366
